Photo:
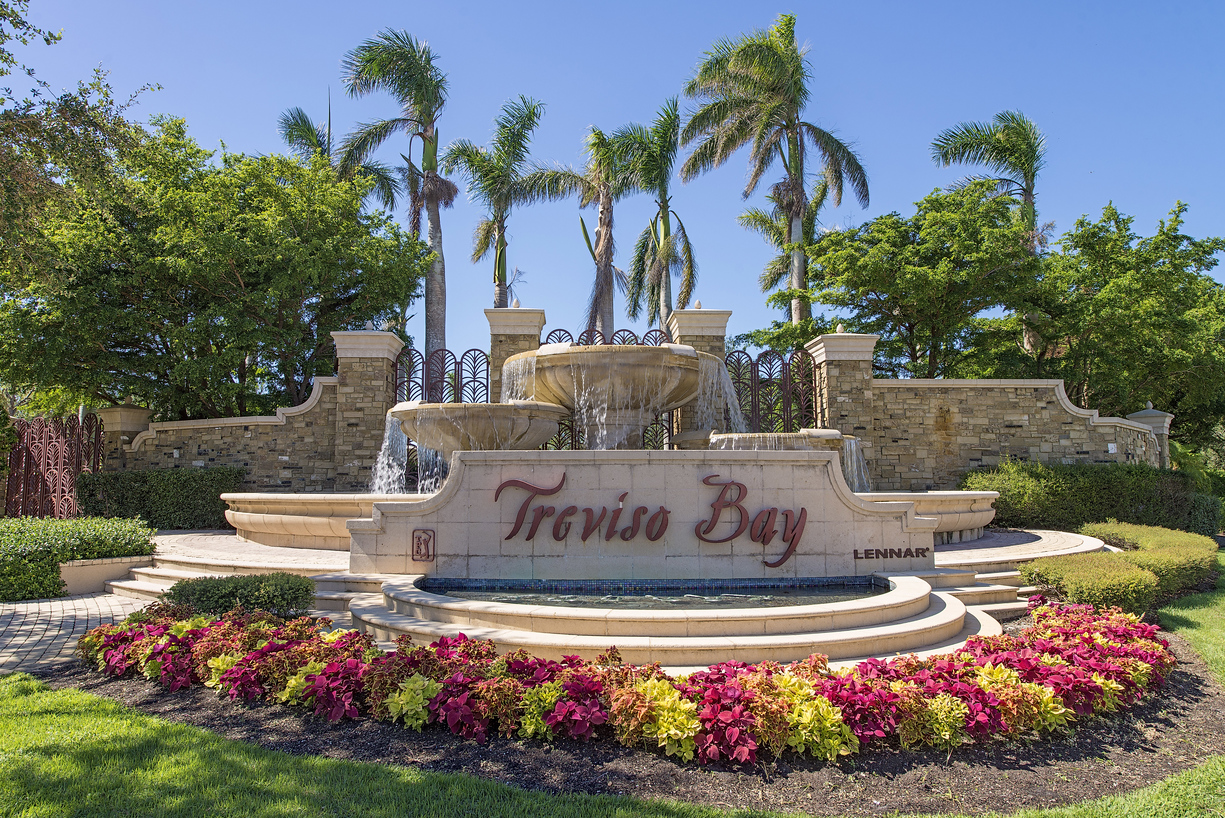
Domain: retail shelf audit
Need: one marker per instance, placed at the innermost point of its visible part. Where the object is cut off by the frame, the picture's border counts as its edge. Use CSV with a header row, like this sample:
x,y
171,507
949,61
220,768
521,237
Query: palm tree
x,y
496,179
395,62
775,227
755,91
659,252
306,138
1011,146
603,181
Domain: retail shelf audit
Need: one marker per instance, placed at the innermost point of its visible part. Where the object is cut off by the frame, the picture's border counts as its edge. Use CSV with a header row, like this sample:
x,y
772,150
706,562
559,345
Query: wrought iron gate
x,y
44,465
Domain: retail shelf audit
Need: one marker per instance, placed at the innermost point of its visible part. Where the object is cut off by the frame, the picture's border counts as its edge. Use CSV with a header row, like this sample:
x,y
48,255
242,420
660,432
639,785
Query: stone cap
x,y
124,419
842,346
684,324
515,321
368,344
1155,418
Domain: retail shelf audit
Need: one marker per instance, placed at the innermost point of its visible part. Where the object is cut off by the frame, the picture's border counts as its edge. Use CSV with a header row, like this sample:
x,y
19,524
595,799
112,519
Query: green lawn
x,y
70,753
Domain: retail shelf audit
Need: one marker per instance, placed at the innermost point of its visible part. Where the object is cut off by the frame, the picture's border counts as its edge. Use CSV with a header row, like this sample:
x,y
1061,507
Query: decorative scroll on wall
x,y
44,465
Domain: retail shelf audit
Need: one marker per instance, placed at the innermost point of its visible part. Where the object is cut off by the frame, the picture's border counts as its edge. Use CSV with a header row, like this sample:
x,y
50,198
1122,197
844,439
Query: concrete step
x,y
943,620
164,576
1001,577
1005,611
977,623
982,593
218,567
134,589
352,583
940,578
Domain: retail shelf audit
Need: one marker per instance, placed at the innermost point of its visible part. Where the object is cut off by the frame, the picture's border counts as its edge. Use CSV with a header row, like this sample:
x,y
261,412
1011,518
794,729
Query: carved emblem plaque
x,y
423,545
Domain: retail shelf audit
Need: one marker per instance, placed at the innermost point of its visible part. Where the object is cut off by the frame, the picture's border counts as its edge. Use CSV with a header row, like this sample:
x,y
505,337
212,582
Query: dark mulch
x,y
1167,734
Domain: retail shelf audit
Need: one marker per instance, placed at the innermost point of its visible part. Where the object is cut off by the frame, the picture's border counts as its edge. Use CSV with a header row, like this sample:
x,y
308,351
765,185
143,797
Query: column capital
x,y
515,321
368,344
842,346
684,324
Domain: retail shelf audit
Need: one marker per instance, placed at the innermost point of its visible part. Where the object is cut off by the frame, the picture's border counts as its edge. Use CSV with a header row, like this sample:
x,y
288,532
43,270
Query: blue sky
x,y
1128,95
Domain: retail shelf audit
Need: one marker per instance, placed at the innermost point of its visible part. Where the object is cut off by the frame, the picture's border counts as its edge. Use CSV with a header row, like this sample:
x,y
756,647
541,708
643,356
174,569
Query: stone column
x,y
511,330
844,377
366,369
120,424
1159,422
705,331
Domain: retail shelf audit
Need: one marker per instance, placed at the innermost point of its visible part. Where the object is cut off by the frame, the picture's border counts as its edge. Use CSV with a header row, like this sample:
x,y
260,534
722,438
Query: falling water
x,y
756,442
717,405
432,470
519,378
387,477
854,464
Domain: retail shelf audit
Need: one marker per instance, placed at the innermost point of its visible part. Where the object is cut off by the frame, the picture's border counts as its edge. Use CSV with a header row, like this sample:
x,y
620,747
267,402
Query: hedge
x,y
1065,497
1180,560
31,550
286,595
1101,578
166,499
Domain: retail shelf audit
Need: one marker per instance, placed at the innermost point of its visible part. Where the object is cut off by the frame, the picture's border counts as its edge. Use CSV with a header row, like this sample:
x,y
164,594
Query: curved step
x,y
907,597
984,593
214,566
943,619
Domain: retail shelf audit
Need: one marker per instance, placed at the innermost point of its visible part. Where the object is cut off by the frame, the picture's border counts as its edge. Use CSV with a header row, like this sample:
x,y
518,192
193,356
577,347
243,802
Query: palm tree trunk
x,y
800,309
499,267
435,285
665,275
604,265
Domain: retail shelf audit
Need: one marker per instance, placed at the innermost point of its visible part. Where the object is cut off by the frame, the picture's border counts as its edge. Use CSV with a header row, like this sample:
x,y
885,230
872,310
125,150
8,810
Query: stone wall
x,y
329,443
922,435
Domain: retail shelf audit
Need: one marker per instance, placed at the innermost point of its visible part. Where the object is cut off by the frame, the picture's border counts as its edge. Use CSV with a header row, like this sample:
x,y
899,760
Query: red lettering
x,y
631,531
534,492
612,521
793,529
658,524
538,515
762,529
560,532
716,509
593,523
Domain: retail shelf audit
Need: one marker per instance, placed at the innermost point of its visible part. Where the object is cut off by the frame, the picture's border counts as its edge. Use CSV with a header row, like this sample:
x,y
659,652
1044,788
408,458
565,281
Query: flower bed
x,y
1072,663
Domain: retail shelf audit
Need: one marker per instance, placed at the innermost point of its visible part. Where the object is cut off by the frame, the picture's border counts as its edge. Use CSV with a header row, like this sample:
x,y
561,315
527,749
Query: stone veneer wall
x,y
922,435
329,443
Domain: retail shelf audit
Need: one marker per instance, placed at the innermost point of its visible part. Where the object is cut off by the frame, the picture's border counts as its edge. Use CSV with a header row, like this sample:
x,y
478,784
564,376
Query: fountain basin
x,y
301,520
805,439
466,427
962,514
615,391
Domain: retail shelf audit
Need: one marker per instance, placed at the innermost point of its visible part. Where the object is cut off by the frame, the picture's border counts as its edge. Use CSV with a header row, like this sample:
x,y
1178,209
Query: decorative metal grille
x,y
44,465
623,337
443,378
777,393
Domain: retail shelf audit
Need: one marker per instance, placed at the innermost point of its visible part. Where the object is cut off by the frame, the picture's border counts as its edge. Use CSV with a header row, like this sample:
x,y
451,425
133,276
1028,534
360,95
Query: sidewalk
x,y
40,633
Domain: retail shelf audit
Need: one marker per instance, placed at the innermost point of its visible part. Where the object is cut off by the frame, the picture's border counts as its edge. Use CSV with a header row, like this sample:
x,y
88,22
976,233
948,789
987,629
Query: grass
x,y
70,753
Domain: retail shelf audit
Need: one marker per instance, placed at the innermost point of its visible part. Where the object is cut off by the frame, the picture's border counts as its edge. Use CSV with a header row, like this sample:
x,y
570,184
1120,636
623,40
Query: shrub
x,y
167,499
31,550
285,595
1180,560
1101,579
1065,497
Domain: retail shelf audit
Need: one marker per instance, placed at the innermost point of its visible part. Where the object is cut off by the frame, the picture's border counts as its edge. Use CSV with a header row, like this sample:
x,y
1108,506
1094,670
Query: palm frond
x,y
639,264
303,136
688,265
396,62
482,238
360,145
386,186
841,164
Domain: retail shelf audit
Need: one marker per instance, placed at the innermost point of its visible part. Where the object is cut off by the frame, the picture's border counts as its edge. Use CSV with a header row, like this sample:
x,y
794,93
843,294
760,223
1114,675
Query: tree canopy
x,y
201,288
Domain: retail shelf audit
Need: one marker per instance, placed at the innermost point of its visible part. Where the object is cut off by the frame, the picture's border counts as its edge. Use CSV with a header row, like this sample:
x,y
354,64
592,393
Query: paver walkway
x,y
37,634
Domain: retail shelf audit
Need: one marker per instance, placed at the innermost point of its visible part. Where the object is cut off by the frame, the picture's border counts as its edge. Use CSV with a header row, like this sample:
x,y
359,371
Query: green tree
x,y
202,289
305,138
8,439
755,90
395,62
604,180
660,252
920,282
496,178
1010,146
1130,319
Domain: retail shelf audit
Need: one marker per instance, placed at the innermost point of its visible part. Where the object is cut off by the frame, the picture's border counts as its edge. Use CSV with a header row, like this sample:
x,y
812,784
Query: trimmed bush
x,y
1065,497
31,550
1180,560
166,499
1098,579
285,595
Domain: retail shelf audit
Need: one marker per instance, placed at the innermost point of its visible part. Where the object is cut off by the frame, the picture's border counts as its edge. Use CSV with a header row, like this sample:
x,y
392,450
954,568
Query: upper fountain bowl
x,y
615,390
465,427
